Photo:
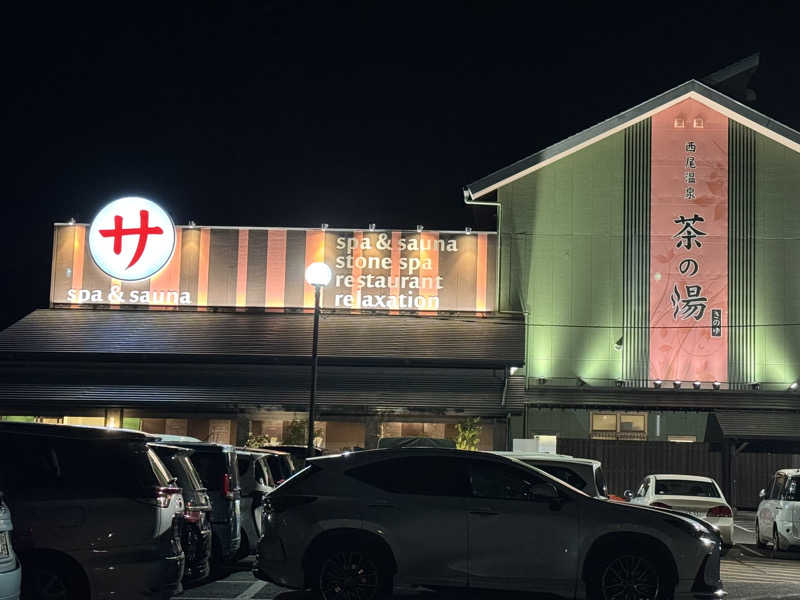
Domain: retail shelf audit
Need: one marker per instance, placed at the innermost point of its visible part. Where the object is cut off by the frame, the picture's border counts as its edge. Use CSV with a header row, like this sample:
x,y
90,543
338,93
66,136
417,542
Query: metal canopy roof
x,y
273,338
691,89
744,425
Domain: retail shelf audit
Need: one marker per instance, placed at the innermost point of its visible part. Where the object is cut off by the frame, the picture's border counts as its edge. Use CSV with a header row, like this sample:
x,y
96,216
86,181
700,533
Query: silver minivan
x,y
778,517
10,571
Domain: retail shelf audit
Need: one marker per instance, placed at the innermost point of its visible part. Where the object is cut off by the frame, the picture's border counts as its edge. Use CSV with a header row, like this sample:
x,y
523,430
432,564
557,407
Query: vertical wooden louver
x,y
741,255
636,256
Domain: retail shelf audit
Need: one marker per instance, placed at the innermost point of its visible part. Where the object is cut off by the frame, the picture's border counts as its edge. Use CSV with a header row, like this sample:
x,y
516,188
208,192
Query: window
x,y
601,422
490,480
698,123
679,123
619,426
686,487
561,472
419,475
777,486
792,492
681,438
632,422
643,487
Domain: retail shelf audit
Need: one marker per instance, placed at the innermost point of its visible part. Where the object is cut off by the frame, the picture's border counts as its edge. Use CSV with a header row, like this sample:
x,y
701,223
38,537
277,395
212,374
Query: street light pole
x,y
314,363
318,274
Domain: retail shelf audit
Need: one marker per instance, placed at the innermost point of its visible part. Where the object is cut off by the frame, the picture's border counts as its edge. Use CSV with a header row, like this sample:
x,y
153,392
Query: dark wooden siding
x,y
636,256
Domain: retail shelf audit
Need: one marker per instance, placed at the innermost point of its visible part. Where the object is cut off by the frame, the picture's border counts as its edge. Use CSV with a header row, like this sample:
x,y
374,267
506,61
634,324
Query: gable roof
x,y
691,89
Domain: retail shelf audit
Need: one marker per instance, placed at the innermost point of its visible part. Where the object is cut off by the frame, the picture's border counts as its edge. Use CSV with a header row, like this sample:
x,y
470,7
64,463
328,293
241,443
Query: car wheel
x,y
51,581
759,543
352,573
628,576
776,542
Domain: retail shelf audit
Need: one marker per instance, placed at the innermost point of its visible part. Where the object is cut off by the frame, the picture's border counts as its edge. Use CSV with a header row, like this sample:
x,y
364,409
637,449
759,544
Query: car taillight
x,y
660,505
276,504
226,486
719,511
194,516
161,495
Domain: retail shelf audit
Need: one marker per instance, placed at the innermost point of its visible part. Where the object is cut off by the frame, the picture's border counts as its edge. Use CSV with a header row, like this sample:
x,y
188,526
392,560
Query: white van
x,y
10,571
778,517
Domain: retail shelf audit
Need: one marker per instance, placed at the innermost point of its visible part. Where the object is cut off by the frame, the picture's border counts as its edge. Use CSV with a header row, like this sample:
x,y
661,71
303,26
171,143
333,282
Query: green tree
x,y
468,434
296,433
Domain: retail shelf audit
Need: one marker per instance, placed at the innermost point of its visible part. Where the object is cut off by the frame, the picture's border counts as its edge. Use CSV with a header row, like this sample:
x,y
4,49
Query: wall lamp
x,y
372,226
793,387
676,384
715,385
657,383
420,228
696,385
542,380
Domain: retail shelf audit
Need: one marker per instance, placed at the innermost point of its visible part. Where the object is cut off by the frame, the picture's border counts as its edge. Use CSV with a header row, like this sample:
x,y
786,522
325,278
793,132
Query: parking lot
x,y
748,574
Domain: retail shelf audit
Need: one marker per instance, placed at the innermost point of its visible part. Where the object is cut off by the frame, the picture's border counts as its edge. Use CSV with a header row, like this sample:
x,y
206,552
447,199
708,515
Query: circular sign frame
x,y
124,239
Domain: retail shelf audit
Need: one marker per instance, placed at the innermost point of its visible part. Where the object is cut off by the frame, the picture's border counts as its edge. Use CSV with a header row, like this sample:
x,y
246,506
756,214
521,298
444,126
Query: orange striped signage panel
x,y
396,271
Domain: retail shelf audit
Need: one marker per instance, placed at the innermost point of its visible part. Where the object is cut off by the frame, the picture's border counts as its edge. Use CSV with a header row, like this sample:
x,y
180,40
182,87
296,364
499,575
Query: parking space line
x,y
252,590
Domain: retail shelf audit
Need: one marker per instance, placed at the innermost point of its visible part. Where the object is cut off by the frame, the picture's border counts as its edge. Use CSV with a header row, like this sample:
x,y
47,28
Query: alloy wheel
x,y
630,578
349,576
49,585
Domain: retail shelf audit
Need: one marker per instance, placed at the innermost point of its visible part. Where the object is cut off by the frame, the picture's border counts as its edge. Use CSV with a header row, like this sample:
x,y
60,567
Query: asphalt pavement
x,y
748,573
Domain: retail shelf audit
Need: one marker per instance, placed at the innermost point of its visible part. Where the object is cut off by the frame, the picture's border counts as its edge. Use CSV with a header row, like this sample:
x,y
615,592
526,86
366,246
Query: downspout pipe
x,y
470,200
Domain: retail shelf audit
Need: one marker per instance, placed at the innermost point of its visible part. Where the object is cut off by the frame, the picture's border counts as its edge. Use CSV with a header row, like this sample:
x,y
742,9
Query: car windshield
x,y
564,473
686,487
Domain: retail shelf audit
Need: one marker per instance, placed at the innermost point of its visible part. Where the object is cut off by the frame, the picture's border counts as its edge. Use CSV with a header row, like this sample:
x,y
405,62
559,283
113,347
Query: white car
x,y
778,517
698,496
584,474
10,571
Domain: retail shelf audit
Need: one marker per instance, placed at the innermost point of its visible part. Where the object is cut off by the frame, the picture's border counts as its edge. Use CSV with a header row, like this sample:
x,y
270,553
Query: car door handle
x,y
484,512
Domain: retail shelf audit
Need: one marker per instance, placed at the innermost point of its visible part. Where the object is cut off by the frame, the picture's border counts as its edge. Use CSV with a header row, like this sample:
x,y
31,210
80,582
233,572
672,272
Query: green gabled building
x,y
655,259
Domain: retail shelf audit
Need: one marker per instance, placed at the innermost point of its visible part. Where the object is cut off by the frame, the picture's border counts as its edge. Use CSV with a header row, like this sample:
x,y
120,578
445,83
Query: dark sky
x,y
297,113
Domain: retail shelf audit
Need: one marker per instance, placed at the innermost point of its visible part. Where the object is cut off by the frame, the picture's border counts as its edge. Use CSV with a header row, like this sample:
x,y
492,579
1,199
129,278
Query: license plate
x,y
3,544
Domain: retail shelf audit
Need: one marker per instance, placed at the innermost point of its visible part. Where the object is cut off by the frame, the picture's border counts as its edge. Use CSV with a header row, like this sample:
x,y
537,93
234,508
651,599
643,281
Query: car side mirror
x,y
762,494
544,491
628,495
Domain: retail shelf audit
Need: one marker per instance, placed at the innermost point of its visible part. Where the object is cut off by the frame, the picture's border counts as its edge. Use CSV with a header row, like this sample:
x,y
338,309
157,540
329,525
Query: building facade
x,y
211,336
653,258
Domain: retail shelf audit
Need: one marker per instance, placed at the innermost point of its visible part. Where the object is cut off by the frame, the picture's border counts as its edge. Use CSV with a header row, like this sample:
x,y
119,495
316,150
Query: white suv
x,y
778,517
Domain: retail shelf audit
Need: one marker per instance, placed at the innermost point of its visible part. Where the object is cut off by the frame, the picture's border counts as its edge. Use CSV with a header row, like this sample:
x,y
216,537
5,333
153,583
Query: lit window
x,y
604,422
698,123
632,423
682,438
680,123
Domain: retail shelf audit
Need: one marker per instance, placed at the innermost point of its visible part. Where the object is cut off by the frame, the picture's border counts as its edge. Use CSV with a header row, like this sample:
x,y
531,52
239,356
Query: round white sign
x,y
131,239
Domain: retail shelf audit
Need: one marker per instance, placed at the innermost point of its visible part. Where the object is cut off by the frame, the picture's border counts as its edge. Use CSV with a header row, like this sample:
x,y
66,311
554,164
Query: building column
x,y
242,430
372,432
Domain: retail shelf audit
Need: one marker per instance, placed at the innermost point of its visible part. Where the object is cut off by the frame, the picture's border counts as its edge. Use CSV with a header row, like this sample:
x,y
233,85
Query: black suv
x,y
218,468
196,519
95,512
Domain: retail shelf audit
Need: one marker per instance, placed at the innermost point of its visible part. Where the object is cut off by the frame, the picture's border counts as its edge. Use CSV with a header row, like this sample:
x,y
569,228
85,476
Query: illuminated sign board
x,y
241,267
131,239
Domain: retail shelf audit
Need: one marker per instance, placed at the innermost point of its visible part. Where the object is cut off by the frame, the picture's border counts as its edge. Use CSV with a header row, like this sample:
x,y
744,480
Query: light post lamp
x,y
318,274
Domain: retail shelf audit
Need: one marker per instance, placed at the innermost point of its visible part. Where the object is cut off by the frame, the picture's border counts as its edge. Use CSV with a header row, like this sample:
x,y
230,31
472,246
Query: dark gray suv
x,y
353,525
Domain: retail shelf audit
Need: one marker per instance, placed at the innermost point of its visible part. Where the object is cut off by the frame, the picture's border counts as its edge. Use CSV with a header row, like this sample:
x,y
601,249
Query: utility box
x,y
537,444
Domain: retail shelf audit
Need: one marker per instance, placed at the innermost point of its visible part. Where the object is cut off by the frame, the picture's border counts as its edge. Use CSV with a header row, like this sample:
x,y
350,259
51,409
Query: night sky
x,y
298,113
